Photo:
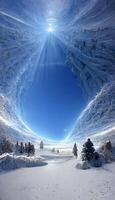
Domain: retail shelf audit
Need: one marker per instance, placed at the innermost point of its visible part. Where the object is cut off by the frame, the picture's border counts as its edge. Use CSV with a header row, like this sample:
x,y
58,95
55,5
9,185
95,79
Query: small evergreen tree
x,y
58,151
53,150
41,145
21,148
29,148
17,148
32,149
88,151
6,146
75,150
26,148
108,146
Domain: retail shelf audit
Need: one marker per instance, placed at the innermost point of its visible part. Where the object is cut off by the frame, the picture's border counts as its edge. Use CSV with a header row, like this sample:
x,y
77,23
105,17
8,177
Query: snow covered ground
x,y
59,180
10,161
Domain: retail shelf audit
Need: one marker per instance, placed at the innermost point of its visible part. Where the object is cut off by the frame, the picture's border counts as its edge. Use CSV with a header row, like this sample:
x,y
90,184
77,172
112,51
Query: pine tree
x,y
6,146
75,150
29,148
88,151
53,150
26,148
32,149
17,147
21,148
41,145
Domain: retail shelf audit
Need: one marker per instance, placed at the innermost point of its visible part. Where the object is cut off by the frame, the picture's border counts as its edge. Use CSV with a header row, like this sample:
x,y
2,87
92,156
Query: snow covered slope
x,y
91,57
99,114
11,126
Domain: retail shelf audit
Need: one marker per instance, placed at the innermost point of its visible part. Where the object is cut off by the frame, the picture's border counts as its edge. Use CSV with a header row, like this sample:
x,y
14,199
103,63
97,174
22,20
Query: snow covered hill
x,y
98,117
11,125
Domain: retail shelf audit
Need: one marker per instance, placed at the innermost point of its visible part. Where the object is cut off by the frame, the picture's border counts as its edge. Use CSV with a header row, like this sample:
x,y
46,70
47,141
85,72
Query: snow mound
x,y
83,165
9,162
87,165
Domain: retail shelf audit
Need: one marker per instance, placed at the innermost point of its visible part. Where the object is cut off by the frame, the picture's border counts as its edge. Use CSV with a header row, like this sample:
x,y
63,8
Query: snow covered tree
x,y
26,148
53,150
106,151
58,151
17,148
31,149
75,150
108,146
41,145
21,148
6,146
88,151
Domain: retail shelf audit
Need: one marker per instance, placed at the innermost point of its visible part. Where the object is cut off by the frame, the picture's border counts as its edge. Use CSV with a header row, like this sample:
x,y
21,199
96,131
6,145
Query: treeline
x,y
25,148
6,146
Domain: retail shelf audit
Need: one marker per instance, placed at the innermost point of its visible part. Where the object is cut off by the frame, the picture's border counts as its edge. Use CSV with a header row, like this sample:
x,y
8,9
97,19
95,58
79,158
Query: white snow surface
x,y
9,162
59,180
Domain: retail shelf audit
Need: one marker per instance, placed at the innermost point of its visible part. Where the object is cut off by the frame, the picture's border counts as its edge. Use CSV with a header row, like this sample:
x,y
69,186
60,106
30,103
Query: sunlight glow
x,y
50,28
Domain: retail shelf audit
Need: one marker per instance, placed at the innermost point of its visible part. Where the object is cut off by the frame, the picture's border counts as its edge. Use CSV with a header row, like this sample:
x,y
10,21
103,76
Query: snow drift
x,y
9,162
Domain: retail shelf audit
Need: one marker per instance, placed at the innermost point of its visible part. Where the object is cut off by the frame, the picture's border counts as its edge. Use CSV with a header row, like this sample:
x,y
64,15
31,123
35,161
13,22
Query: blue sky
x,y
54,100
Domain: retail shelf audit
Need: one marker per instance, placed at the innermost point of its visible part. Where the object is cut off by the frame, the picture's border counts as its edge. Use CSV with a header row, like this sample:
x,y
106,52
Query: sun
x,y
50,28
